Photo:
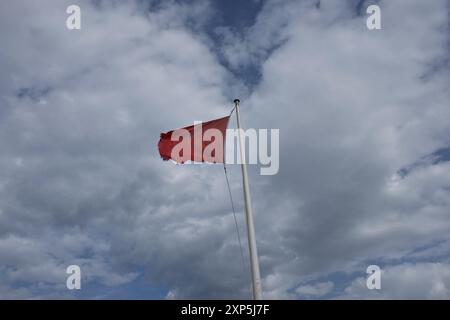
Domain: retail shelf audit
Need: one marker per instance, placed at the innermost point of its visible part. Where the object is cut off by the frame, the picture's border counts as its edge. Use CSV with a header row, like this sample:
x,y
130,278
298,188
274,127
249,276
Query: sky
x,y
364,173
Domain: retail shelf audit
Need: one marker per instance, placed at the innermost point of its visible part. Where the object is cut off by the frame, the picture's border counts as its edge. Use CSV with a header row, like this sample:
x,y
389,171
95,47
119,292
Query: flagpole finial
x,y
236,101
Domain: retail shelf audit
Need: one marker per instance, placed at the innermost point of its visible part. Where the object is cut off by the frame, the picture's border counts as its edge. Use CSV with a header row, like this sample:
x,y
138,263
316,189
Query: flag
x,y
203,142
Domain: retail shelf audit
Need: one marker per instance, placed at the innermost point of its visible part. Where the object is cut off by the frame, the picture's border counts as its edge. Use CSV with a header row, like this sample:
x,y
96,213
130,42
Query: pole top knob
x,y
236,101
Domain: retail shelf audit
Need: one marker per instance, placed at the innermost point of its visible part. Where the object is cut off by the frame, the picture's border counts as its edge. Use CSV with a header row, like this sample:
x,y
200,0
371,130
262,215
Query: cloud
x,y
406,281
317,289
362,110
81,181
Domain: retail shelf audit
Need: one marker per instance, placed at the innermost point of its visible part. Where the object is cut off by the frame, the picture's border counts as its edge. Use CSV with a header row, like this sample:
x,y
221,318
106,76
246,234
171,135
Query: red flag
x,y
204,142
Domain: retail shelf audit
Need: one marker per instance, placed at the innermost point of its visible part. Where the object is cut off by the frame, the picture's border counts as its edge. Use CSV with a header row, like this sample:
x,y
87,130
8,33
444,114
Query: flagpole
x,y
256,280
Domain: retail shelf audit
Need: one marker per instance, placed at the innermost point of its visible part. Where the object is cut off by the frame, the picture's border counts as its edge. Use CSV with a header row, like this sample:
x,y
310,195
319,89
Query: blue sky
x,y
364,148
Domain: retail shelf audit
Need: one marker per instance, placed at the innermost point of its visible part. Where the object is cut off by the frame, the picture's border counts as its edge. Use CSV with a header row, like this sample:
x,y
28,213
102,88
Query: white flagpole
x,y
256,280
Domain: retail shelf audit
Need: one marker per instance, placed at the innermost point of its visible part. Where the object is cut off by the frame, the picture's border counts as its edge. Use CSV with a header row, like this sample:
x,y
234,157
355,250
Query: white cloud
x,y
352,108
83,112
406,281
317,289
90,173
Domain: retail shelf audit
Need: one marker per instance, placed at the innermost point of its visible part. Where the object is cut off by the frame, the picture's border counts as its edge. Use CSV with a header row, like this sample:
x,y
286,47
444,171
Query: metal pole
x,y
256,280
